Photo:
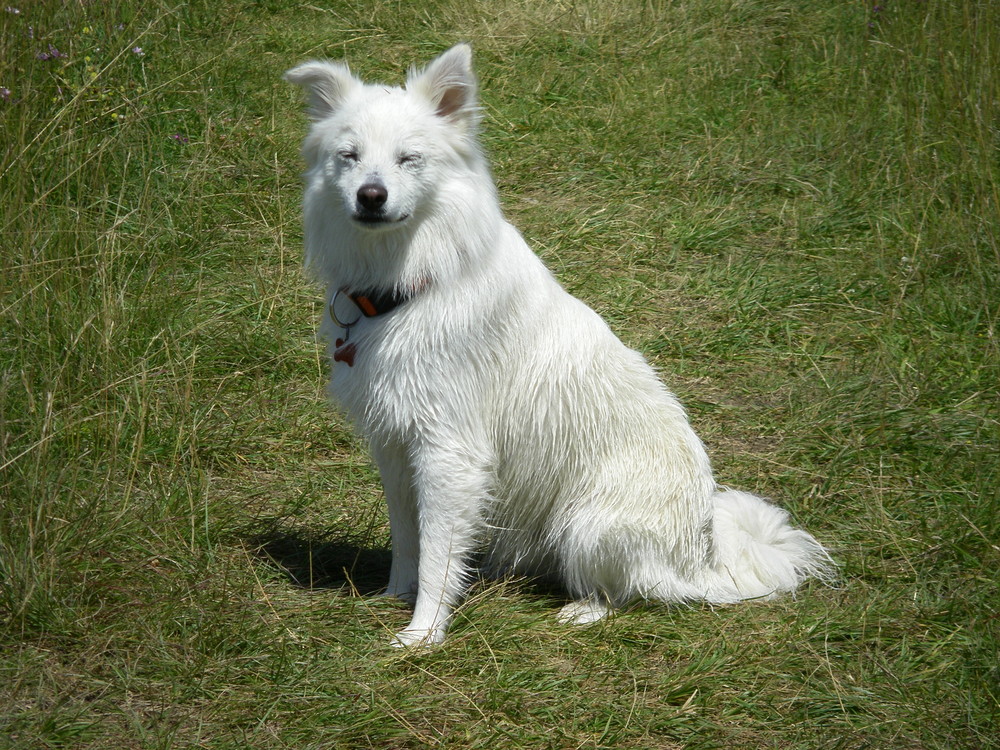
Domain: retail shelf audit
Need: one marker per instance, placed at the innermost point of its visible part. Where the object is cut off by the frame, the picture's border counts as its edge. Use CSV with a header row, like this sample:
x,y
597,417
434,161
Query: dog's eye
x,y
409,160
348,155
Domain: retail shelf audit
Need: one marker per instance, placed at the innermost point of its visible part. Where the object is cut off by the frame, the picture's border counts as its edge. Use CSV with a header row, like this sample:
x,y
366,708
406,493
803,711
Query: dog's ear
x,y
450,85
327,84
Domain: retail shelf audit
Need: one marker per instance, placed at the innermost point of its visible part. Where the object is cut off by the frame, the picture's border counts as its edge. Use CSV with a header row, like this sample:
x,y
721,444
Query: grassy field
x,y
792,209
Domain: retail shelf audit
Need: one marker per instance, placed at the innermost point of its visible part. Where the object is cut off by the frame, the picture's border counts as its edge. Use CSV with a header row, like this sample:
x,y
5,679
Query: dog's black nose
x,y
372,196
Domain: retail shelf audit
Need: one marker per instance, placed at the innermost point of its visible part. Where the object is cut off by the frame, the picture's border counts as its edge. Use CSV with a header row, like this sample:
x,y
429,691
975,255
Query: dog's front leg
x,y
450,497
400,497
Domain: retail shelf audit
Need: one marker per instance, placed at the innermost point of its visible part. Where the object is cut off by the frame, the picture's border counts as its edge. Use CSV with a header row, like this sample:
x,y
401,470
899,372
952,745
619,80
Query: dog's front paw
x,y
421,637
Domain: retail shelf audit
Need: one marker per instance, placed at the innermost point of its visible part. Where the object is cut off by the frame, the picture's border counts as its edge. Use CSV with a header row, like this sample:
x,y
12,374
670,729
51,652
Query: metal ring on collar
x,y
333,313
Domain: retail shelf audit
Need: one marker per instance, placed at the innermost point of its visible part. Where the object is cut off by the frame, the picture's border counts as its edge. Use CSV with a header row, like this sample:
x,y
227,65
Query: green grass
x,y
791,208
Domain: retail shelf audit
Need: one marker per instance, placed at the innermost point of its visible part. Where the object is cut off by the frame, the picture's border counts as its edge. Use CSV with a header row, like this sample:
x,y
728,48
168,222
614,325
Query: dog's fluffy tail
x,y
759,554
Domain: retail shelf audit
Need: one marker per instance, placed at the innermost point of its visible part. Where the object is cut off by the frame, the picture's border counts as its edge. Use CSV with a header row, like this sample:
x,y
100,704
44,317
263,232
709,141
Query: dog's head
x,y
381,153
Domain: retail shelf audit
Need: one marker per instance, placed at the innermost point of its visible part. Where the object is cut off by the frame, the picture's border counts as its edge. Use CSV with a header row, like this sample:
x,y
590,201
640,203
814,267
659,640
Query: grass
x,y
791,209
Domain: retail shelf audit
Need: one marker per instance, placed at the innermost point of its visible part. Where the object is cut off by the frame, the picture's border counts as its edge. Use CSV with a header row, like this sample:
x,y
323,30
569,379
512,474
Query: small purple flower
x,y
4,93
137,51
52,54
180,138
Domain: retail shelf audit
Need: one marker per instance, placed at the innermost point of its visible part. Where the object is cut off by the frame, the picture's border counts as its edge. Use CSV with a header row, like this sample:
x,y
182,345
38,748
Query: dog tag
x,y
345,352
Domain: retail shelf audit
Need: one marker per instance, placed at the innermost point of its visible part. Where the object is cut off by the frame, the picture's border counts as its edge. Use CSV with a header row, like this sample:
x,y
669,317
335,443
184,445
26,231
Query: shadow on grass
x,y
316,562
350,565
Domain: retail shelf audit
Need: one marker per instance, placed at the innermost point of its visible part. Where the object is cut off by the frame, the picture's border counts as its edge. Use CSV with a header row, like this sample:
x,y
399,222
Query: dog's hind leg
x,y
584,611
397,482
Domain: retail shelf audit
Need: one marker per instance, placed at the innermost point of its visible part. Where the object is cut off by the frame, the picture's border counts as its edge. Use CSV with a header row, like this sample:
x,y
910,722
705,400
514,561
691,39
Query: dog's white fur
x,y
502,412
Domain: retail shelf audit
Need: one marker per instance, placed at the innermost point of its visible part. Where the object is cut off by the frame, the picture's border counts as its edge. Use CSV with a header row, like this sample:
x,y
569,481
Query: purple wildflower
x,y
180,138
52,54
4,93
137,51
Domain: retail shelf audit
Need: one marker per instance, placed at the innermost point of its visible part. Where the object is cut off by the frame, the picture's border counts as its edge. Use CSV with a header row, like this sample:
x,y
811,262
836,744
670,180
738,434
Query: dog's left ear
x,y
450,85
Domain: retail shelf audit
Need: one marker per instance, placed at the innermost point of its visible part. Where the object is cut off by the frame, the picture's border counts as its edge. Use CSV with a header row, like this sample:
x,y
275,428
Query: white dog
x,y
502,412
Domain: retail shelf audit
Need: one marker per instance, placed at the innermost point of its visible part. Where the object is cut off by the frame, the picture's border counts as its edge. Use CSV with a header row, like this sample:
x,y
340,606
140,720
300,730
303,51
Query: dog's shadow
x,y
312,561
353,567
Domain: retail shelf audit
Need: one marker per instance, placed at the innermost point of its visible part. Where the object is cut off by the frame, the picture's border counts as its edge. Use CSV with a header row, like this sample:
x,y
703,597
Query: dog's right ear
x,y
327,84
